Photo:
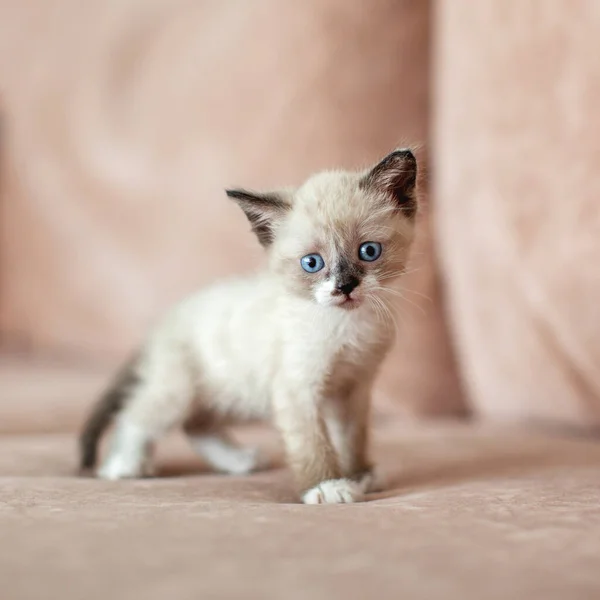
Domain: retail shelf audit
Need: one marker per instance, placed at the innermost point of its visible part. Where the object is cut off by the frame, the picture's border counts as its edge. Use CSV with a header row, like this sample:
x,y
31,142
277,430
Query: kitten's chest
x,y
351,366
338,346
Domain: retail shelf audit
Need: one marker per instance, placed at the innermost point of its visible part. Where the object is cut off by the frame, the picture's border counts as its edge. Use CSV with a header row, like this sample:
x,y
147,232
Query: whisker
x,y
376,305
398,273
402,290
399,294
424,296
421,309
389,312
390,276
373,302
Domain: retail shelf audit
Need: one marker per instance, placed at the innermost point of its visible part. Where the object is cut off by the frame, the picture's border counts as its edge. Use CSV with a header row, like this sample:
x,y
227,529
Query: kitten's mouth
x,y
348,302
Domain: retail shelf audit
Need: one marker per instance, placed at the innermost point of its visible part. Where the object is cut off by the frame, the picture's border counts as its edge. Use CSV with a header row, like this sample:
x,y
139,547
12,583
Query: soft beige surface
x,y
517,155
468,515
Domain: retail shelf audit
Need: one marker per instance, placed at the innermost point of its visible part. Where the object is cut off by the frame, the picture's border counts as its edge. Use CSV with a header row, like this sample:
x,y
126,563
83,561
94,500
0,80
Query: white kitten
x,y
299,343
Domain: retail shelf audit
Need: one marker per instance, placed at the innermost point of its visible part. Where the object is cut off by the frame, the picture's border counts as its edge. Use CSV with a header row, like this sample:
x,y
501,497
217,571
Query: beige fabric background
x,y
125,119
517,152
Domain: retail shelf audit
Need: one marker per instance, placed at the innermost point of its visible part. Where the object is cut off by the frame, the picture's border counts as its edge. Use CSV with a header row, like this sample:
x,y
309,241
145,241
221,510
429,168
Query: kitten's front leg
x,y
348,421
310,452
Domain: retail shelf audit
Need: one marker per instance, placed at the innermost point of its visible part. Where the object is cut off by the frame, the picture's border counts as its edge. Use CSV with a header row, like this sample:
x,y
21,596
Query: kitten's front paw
x,y
334,491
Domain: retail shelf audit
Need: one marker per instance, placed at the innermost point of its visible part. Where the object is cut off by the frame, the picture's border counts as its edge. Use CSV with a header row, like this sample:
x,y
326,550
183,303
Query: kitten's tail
x,y
109,404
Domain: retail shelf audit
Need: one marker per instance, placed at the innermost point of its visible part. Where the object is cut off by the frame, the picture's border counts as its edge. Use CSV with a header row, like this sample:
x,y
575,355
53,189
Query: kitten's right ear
x,y
263,211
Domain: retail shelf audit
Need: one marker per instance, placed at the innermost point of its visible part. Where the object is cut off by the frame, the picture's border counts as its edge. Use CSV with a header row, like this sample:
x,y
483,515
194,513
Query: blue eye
x,y
312,263
369,251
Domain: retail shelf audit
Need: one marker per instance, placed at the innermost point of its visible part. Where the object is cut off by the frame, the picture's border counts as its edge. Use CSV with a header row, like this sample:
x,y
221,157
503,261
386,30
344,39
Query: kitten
x,y
300,343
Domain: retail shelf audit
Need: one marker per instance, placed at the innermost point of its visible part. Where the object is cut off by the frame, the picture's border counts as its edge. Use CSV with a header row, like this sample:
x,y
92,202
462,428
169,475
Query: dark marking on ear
x,y
396,175
261,210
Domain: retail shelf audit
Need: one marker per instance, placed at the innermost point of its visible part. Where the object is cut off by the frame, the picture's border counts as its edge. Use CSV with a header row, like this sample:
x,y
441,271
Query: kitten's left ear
x,y
396,175
263,211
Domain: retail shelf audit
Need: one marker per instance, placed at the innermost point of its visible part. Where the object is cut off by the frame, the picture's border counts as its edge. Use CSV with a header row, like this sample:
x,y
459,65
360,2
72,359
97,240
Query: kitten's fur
x,y
285,344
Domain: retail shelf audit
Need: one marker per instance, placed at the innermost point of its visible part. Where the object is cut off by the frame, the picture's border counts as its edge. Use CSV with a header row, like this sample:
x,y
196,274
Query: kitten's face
x,y
341,238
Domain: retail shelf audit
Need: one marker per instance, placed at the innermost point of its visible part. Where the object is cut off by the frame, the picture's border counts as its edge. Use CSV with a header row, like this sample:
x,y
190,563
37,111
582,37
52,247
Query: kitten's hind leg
x,y
156,405
219,450
225,456
130,454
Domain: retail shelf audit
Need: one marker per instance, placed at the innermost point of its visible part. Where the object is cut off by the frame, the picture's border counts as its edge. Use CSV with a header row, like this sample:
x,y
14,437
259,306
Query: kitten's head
x,y
340,237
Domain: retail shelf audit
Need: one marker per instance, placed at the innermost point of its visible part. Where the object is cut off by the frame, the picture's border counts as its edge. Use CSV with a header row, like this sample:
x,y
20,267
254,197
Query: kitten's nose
x,y
347,286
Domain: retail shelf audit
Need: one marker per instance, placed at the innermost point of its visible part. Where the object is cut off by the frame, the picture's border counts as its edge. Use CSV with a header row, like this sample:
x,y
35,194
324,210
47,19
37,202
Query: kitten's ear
x,y
262,210
396,175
